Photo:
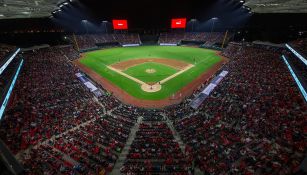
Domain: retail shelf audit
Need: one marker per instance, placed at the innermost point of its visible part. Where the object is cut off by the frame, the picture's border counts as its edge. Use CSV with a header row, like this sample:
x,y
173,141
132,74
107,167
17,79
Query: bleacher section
x,y
90,41
253,122
206,38
5,49
300,45
154,150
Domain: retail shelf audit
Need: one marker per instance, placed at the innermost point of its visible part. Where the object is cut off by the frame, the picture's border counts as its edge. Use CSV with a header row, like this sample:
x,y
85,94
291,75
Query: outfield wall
x,y
130,45
168,44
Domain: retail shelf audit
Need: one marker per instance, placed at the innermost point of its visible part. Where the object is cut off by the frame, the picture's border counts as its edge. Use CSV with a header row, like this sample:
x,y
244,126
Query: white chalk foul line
x,y
143,83
177,73
126,75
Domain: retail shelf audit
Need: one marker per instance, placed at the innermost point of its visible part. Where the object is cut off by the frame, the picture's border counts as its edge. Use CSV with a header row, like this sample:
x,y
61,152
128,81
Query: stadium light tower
x,y
105,25
193,22
213,22
84,22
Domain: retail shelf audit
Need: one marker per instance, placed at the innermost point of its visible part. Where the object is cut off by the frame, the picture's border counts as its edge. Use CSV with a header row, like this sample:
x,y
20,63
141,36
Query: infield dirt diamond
x,y
150,88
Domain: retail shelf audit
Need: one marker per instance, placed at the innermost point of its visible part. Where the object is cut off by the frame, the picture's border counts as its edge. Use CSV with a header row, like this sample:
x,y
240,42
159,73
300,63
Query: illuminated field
x,y
168,68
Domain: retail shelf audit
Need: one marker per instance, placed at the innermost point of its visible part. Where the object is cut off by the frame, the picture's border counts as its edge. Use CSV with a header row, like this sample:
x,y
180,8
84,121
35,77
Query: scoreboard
x,y
179,23
120,24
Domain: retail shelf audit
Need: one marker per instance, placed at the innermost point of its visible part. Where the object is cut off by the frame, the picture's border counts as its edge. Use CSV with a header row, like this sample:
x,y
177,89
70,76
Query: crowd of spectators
x,y
50,105
128,38
5,50
301,45
206,37
47,100
254,122
195,36
171,38
85,41
298,67
88,41
89,149
155,150
214,37
7,76
69,52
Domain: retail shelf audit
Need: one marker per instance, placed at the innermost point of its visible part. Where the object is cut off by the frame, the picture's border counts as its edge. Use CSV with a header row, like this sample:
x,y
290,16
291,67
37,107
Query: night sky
x,y
147,13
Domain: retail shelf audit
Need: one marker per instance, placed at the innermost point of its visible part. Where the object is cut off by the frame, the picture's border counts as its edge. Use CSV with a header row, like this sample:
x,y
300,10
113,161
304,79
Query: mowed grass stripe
x,y
203,59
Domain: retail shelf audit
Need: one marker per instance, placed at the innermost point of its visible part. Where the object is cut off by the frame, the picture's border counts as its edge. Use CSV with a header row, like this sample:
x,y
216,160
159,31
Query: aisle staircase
x,y
123,155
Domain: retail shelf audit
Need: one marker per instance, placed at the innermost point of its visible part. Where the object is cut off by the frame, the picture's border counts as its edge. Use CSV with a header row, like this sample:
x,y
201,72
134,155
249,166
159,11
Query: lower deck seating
x,y
155,151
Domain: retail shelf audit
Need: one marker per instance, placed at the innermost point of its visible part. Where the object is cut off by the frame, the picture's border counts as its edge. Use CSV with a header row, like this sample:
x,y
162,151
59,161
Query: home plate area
x,y
150,73
151,88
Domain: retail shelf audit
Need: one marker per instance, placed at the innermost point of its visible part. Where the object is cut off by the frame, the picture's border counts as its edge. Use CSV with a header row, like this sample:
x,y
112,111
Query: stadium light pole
x,y
84,22
105,26
193,22
213,22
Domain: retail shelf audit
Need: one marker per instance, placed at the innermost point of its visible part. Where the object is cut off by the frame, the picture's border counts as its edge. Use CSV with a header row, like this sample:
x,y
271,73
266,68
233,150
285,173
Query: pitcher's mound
x,y
151,88
151,71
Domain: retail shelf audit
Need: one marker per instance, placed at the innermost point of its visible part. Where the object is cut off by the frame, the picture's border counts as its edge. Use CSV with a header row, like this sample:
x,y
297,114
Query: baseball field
x,y
149,72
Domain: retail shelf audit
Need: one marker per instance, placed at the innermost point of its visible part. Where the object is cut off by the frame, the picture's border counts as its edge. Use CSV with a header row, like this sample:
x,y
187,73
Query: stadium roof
x,y
27,8
43,8
277,6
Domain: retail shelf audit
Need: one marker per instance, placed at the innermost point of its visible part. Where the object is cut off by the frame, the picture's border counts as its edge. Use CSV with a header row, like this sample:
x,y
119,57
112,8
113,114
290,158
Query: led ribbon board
x,y
297,54
8,94
295,78
9,61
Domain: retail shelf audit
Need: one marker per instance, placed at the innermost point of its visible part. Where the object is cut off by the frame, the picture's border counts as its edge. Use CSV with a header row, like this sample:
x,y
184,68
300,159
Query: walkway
x,y
122,157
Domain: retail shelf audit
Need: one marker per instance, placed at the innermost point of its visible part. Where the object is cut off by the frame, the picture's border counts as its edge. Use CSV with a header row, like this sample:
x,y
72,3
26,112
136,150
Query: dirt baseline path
x,y
128,99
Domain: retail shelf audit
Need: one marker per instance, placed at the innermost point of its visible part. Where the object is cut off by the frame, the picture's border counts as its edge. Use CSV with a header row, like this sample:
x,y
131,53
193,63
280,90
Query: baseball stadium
x,y
203,87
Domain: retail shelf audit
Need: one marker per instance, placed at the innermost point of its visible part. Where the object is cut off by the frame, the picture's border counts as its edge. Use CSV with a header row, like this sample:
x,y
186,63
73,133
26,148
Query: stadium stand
x,y
91,148
128,38
301,45
92,87
48,78
53,124
205,37
257,109
154,150
5,49
47,82
90,40
299,67
85,41
171,38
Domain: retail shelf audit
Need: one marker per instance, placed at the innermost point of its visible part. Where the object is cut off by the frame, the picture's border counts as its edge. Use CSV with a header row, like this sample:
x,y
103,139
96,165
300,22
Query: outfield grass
x,y
139,72
203,59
